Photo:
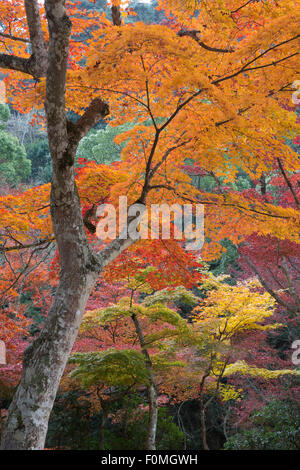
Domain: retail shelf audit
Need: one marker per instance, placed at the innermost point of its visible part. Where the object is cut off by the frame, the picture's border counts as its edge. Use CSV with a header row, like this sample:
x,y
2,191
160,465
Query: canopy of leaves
x,y
111,368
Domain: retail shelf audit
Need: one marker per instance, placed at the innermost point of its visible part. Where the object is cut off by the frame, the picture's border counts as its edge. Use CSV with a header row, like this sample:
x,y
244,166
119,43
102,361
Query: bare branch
x,y
21,246
268,288
96,111
37,64
38,44
246,68
14,38
241,7
193,33
289,184
13,62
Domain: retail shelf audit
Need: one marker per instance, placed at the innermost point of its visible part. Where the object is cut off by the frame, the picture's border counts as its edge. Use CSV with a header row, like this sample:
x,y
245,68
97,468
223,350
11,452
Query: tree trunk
x,y
153,415
104,416
203,425
43,365
152,390
45,359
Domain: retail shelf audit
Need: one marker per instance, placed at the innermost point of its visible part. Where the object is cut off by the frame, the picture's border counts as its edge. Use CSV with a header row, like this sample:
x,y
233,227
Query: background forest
x,y
202,339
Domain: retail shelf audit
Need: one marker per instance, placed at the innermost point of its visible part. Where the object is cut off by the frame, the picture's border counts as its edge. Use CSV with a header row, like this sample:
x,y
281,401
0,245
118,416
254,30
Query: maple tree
x,y
194,87
113,373
154,356
225,313
266,352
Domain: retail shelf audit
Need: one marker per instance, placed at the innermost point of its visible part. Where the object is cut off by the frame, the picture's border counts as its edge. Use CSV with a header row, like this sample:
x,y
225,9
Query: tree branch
x,y
38,43
13,62
289,184
193,33
241,7
37,64
96,111
21,246
268,288
246,68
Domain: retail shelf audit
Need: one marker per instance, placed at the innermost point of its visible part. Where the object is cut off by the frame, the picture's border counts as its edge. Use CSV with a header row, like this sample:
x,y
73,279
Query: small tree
x,y
113,373
155,325
224,313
